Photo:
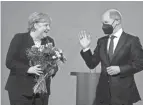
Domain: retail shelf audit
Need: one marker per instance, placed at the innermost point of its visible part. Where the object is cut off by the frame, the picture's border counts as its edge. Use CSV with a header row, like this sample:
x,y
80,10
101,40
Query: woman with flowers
x,y
32,60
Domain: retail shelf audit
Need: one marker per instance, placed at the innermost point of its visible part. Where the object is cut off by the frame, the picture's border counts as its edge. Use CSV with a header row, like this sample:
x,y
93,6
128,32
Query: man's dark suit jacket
x,y
118,89
19,81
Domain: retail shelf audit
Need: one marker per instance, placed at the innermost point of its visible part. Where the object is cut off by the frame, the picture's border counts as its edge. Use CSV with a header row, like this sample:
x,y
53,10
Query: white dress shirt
x,y
115,40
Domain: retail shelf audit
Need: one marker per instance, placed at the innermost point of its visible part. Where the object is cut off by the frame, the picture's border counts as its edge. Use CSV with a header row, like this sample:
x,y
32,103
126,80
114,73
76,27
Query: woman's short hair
x,y
37,17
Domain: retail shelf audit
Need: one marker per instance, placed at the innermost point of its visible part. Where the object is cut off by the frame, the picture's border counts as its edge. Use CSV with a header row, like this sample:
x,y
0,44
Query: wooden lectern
x,y
86,87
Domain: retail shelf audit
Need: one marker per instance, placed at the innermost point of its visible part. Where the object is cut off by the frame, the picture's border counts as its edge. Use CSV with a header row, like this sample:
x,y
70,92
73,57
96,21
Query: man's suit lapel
x,y
120,44
105,51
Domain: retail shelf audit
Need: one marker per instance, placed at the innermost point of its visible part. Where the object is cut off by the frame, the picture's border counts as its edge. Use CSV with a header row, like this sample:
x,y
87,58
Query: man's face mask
x,y
108,28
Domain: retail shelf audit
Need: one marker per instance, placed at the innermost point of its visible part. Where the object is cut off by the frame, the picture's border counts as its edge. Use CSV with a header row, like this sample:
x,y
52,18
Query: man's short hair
x,y
115,14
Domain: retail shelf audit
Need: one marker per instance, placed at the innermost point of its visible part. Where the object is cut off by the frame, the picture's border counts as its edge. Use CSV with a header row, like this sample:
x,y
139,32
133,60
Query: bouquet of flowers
x,y
48,57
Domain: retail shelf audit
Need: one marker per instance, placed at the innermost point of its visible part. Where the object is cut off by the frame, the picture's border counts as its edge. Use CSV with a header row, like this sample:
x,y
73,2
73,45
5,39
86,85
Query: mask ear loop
x,y
115,25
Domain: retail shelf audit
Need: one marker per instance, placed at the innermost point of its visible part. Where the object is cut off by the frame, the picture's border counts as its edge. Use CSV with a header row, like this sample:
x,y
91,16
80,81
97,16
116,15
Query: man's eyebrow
x,y
105,21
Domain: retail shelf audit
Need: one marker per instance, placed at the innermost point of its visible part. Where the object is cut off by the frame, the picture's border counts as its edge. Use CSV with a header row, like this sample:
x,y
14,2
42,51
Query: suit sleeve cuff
x,y
86,49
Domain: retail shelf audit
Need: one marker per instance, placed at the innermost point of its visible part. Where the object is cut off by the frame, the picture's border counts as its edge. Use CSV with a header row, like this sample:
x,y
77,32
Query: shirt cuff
x,y
86,49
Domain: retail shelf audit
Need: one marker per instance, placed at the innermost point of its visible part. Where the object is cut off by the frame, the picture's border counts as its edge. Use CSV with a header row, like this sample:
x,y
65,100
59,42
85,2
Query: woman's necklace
x,y
37,42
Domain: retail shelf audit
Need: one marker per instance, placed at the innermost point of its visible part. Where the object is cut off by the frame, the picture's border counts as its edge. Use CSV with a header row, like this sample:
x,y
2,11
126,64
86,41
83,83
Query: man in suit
x,y
21,79
121,56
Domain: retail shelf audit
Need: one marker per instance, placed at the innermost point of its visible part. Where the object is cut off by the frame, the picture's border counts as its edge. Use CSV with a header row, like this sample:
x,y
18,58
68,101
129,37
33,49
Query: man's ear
x,y
118,22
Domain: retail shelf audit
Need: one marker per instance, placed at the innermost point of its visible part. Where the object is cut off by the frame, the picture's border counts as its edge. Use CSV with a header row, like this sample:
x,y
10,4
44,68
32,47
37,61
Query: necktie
x,y
111,46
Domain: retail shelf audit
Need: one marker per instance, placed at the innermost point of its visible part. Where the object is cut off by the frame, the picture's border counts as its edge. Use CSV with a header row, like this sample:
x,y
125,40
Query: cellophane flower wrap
x,y
49,58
